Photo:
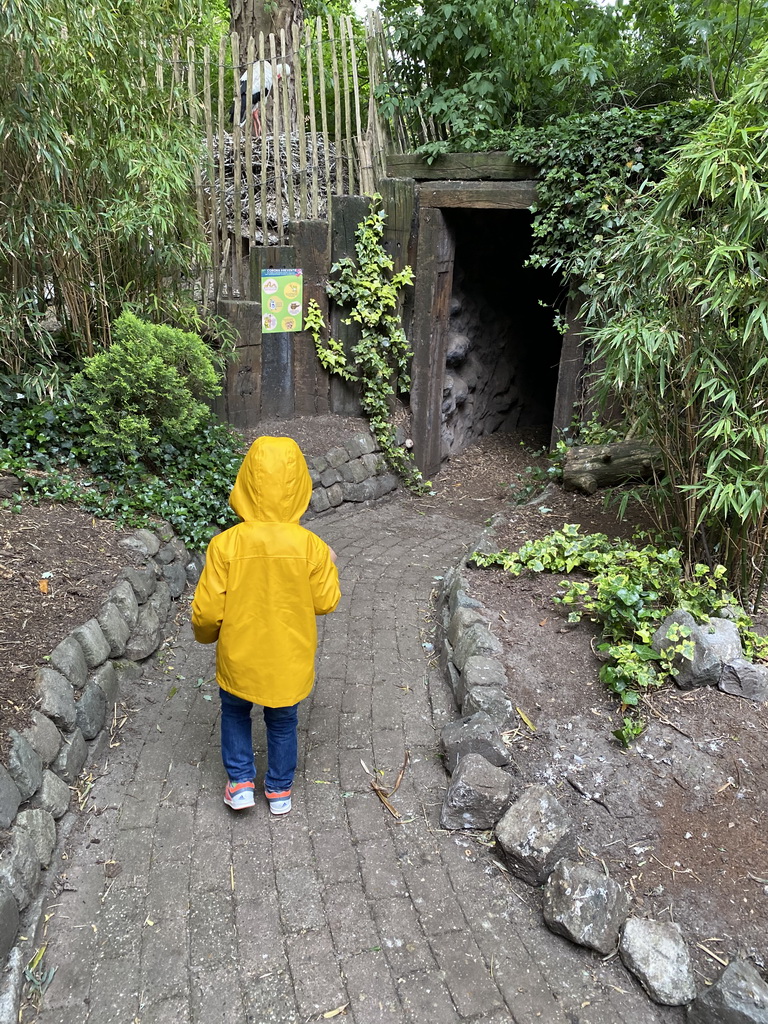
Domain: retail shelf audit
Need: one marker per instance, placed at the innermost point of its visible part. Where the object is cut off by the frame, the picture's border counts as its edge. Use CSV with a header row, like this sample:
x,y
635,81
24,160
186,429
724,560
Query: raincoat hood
x,y
273,484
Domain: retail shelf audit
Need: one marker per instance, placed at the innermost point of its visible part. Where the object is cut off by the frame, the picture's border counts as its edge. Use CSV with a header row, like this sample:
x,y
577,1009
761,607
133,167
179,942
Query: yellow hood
x,y
273,484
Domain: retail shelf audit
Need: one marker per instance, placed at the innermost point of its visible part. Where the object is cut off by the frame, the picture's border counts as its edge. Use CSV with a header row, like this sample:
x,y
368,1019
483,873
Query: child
x,y
263,583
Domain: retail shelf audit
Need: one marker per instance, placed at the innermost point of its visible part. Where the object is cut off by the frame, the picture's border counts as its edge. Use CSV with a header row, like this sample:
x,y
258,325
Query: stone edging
x,y
353,472
536,834
77,691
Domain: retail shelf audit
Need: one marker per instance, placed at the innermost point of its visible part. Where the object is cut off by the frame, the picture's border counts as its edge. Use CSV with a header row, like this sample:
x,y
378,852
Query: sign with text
x,y
282,296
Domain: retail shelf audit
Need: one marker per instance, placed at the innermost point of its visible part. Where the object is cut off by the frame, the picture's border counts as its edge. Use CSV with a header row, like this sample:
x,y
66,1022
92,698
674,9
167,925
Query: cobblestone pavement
x,y
176,910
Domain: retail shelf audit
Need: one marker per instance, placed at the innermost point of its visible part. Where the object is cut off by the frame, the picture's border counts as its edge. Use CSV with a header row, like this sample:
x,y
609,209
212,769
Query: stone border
x,y
537,836
77,691
353,472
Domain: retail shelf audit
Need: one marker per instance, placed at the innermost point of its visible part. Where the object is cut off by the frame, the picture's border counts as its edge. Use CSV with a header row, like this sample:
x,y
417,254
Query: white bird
x,y
260,89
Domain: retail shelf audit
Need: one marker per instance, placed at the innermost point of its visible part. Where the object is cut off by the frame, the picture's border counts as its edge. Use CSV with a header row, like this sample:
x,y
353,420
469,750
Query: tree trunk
x,y
250,17
601,465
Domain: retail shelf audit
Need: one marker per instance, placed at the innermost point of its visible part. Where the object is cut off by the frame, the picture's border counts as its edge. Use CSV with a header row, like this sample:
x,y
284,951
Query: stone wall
x,y
353,472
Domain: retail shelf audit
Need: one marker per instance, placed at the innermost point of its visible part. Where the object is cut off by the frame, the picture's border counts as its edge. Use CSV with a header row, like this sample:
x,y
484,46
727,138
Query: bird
x,y
260,89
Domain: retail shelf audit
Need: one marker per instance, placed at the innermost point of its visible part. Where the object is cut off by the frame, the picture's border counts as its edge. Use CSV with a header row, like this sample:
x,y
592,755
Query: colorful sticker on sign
x,y
281,301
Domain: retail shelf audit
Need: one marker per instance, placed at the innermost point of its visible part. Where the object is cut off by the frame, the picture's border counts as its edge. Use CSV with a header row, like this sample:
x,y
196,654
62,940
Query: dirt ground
x,y
680,818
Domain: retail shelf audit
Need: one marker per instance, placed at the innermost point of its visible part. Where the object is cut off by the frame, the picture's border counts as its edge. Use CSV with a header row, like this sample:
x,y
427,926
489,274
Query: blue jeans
x,y
237,742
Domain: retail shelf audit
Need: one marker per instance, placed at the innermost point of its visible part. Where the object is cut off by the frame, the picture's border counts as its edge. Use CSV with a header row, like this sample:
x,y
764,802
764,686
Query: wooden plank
x,y
339,168
324,114
274,95
263,182
312,240
348,143
251,58
211,205
277,387
237,226
432,300
298,78
312,122
487,195
459,167
287,146
400,234
243,381
571,372
346,214
227,285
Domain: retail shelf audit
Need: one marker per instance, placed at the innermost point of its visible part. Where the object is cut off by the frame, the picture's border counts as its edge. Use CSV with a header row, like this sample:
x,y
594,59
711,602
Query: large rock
x,y
477,795
535,833
714,643
143,582
53,796
585,906
20,867
461,620
161,599
477,639
739,996
43,736
106,678
9,920
145,638
41,828
114,627
176,577
143,542
744,679
91,710
57,698
71,759
68,658
123,597
492,701
10,798
477,734
654,951
94,643
25,765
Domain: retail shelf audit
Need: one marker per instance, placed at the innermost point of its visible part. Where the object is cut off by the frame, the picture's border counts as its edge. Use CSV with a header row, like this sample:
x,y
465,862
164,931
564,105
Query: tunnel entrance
x,y
502,348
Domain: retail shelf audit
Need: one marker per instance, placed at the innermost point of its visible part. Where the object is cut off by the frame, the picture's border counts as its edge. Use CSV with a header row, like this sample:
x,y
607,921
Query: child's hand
x,y
333,554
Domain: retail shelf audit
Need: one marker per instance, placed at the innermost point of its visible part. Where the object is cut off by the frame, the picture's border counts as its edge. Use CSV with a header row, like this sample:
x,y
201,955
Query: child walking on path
x,y
263,583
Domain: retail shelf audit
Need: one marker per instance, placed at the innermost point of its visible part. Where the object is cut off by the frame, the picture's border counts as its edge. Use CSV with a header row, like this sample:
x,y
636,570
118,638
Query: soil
x,y
681,818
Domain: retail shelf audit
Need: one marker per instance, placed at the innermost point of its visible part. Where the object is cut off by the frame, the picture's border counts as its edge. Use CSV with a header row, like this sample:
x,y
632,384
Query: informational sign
x,y
282,296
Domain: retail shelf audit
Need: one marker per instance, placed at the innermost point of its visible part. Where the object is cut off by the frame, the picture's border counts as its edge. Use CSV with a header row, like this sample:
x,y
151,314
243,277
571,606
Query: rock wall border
x,y
537,836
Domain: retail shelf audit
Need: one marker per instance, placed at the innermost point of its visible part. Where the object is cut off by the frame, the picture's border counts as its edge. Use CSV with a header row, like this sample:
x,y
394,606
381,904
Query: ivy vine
x,y
380,360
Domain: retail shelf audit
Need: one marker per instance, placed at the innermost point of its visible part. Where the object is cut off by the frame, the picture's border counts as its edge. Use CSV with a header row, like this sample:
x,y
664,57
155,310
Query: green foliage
x,y
629,591
145,389
679,320
95,180
52,447
380,360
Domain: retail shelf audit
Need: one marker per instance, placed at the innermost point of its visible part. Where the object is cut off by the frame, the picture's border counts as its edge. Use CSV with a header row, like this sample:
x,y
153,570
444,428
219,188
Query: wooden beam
x,y
571,372
458,167
482,195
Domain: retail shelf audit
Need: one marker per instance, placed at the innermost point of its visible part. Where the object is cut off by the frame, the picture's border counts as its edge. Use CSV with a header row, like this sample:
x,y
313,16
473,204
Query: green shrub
x,y
145,389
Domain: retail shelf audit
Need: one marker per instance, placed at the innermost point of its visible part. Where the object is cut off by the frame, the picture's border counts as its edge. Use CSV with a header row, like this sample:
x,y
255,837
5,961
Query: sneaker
x,y
239,795
279,803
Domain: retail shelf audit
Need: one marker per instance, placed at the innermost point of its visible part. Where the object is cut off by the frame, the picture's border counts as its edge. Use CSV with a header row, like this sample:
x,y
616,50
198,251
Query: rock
x,y
462,619
114,627
193,568
535,833
722,638
654,951
739,996
385,483
20,867
123,597
705,667
363,444
9,920
145,638
91,710
10,798
161,599
330,476
456,348
68,658
319,500
365,491
144,542
9,485
373,463
743,679
477,639
336,457
483,671
492,701
166,554
585,906
94,643
457,597
24,765
41,828
175,577
127,672
477,795
71,759
477,734
105,677
335,495
142,581
354,472
43,736
53,796
57,698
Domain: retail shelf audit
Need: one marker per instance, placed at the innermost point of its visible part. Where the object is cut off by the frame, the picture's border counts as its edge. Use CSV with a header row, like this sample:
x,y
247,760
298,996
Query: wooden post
x,y
277,372
432,300
571,370
243,384
346,214
312,241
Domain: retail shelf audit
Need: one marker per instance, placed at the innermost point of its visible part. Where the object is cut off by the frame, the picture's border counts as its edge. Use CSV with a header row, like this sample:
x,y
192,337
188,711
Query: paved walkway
x,y
176,910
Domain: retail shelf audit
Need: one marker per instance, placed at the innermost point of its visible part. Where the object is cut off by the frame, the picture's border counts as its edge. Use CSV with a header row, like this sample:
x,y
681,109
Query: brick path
x,y
208,917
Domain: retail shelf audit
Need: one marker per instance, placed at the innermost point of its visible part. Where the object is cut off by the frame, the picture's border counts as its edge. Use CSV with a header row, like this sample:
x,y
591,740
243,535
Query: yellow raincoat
x,y
265,580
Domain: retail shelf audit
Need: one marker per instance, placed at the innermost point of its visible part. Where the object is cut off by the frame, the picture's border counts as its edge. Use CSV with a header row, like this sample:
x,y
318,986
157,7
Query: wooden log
x,y
588,467
311,381
489,195
346,214
458,167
